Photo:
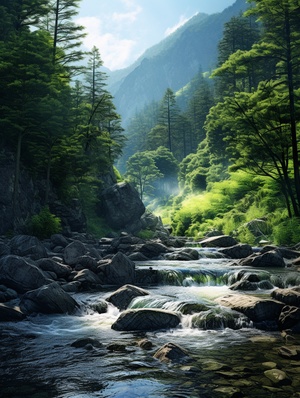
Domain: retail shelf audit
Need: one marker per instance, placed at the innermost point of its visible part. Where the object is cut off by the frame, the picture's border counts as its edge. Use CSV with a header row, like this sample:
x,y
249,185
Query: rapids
x,y
39,359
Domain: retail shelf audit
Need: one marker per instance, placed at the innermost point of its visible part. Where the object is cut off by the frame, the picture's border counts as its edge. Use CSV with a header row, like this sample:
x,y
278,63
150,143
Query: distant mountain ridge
x,y
172,63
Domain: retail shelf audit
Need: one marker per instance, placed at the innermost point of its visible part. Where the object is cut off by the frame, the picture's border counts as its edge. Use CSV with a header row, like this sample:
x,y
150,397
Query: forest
x,y
213,156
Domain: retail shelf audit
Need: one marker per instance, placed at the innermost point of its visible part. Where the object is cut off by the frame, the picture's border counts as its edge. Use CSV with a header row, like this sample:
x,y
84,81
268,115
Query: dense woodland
x,y
214,155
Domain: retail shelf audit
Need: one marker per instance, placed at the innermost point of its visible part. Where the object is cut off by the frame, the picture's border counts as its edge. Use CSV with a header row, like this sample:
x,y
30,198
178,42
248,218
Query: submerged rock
x,y
171,352
146,319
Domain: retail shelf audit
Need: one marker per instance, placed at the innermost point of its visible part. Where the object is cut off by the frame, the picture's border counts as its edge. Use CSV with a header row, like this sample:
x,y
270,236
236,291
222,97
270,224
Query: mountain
x,y
172,63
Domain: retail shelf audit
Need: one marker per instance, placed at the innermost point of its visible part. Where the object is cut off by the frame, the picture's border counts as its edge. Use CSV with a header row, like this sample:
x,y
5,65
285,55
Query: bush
x,y
44,224
287,232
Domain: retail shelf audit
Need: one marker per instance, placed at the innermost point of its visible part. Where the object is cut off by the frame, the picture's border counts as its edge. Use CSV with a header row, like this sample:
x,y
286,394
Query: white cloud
x,y
181,22
115,51
130,16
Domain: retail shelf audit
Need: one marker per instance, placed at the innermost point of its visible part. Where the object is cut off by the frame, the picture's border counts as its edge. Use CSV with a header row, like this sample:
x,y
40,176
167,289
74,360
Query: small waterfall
x,y
190,277
219,318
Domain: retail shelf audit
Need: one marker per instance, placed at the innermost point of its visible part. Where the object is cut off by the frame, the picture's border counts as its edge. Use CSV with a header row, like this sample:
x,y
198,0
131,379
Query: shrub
x,y
44,224
287,232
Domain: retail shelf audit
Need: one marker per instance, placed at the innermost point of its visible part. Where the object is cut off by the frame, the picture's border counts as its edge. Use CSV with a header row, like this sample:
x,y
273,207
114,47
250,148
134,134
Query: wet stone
x,y
229,392
214,366
277,377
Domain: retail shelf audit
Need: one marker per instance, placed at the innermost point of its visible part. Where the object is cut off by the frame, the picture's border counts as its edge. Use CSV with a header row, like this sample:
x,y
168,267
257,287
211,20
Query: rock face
x,y
146,319
121,205
19,275
123,296
50,299
255,308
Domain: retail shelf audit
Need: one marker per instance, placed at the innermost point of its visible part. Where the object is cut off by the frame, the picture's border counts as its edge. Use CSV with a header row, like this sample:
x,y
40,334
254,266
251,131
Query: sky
x,y
123,29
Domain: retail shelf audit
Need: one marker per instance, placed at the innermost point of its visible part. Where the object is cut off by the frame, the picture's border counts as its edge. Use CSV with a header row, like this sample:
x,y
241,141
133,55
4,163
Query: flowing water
x,y
229,356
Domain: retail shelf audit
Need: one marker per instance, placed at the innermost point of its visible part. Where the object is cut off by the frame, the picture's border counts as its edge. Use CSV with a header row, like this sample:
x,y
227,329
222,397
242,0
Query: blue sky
x,y
124,29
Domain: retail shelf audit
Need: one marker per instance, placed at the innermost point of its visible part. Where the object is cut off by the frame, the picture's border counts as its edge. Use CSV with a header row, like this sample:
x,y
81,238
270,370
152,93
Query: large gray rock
x,y
26,245
121,205
271,259
118,271
50,265
255,308
146,319
50,299
123,296
152,249
218,241
73,251
18,274
237,251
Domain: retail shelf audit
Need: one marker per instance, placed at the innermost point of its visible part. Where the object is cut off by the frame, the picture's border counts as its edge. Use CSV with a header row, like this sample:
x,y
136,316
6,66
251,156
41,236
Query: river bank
x,y
220,346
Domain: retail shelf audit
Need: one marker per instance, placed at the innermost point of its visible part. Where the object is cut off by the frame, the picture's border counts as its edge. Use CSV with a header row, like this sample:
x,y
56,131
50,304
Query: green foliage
x,y
44,224
145,234
287,232
142,172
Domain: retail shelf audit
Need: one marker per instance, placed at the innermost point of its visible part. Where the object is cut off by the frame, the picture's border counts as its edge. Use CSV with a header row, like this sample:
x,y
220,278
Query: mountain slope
x,y
172,63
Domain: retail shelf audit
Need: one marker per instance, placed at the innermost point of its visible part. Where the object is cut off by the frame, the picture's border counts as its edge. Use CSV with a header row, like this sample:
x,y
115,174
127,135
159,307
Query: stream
x,y
229,355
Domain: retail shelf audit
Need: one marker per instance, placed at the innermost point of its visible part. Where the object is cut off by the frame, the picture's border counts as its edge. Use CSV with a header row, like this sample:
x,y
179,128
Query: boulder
x,y
86,262
7,294
219,241
118,271
288,296
49,299
237,251
87,278
171,352
25,245
58,240
121,205
186,254
146,319
289,319
255,308
18,274
272,259
123,296
48,264
73,251
4,249
9,314
152,250
244,285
